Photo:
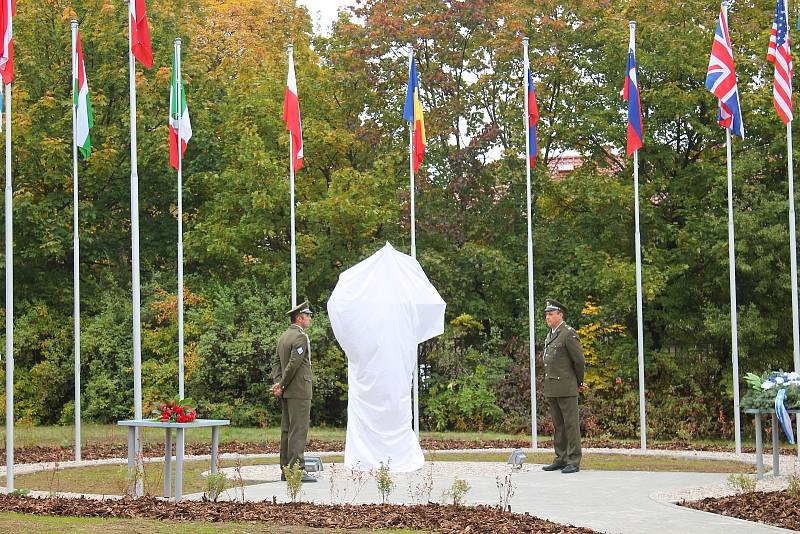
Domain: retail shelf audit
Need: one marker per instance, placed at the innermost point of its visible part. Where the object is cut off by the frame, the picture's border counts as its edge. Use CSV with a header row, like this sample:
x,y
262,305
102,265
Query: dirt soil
x,y
430,517
97,451
773,508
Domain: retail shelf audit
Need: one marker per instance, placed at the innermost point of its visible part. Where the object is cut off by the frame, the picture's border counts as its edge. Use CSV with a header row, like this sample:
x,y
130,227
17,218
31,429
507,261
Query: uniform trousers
x,y
567,430
295,418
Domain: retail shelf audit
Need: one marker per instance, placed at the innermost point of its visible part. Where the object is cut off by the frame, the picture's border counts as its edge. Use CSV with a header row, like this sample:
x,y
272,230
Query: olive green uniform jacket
x,y
291,368
291,365
564,363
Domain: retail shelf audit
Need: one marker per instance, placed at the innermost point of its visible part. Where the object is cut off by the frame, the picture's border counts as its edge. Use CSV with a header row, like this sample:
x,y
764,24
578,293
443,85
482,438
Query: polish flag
x,y
291,116
8,9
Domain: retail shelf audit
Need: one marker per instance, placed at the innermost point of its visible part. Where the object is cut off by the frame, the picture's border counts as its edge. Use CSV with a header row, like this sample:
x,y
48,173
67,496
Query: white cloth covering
x,y
380,310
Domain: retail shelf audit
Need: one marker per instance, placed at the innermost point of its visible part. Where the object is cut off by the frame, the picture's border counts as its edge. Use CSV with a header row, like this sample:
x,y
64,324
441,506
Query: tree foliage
x,y
353,195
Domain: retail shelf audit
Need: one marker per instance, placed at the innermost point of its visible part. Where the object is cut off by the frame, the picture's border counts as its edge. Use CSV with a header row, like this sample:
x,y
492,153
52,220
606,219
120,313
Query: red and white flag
x,y
140,33
291,116
8,9
779,54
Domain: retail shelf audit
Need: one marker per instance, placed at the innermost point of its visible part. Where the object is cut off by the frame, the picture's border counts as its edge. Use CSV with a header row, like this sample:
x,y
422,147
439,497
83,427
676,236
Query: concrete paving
x,y
606,501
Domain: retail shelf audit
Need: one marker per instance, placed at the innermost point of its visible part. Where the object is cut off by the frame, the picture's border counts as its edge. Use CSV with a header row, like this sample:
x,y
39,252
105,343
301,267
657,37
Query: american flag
x,y
778,53
721,79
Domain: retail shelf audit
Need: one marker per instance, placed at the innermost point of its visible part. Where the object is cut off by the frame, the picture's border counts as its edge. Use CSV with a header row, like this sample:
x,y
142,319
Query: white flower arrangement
x,y
775,379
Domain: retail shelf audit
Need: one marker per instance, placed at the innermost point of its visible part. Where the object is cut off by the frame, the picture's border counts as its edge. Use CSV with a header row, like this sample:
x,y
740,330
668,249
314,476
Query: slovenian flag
x,y
178,119
631,94
291,116
83,107
140,33
533,121
412,112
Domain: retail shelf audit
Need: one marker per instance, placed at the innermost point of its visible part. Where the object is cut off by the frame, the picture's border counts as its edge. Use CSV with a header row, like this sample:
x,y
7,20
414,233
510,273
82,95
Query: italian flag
x,y
83,107
178,118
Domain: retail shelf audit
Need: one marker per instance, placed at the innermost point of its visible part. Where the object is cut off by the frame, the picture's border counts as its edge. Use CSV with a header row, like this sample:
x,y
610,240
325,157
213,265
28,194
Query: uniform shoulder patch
x,y
300,350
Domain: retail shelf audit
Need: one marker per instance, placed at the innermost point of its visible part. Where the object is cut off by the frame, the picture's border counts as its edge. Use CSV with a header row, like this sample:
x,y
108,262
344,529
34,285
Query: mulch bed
x,y
431,517
773,508
97,451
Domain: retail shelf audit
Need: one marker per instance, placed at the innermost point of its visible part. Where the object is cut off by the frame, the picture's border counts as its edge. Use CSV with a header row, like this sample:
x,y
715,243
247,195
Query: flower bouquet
x,y
175,411
764,388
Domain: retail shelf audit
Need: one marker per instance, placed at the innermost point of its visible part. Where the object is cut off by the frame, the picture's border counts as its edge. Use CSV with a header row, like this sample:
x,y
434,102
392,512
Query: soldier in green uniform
x,y
291,374
563,378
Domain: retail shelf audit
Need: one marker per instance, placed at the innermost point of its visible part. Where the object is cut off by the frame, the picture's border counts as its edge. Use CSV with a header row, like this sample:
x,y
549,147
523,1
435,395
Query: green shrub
x,y
463,403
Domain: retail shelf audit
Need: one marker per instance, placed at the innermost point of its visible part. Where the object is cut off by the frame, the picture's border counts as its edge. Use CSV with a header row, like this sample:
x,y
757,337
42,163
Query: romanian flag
x,y
413,114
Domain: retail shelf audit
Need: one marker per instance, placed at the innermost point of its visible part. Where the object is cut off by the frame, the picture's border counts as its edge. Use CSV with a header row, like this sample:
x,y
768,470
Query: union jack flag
x,y
778,53
721,79
533,121
631,93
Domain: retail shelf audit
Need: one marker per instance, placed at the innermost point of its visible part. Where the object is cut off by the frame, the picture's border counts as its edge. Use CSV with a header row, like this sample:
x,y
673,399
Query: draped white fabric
x,y
380,310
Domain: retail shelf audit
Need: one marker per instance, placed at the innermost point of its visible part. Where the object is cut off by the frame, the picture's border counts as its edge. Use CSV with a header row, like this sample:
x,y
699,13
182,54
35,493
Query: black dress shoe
x,y
553,467
570,469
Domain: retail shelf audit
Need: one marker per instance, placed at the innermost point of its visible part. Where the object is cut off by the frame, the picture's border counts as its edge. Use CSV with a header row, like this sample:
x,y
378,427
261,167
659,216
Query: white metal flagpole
x,y
135,283
792,238
793,254
412,188
75,247
291,209
639,316
411,125
9,305
178,108
732,280
136,290
531,316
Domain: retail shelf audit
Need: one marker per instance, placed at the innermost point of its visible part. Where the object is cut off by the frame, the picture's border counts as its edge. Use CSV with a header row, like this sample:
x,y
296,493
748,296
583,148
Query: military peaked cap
x,y
303,307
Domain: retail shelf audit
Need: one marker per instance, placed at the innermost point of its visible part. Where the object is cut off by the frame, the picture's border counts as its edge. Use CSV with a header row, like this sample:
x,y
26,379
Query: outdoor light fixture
x,y
313,464
516,459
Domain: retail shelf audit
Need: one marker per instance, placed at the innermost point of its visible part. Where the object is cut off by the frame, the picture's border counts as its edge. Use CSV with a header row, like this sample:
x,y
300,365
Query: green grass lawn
x,y
10,522
48,436
609,462
113,479
28,435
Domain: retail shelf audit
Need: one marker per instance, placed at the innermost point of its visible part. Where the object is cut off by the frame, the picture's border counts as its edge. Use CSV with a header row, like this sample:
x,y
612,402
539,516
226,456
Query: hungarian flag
x,y
8,9
140,33
291,116
178,115
83,107
412,112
